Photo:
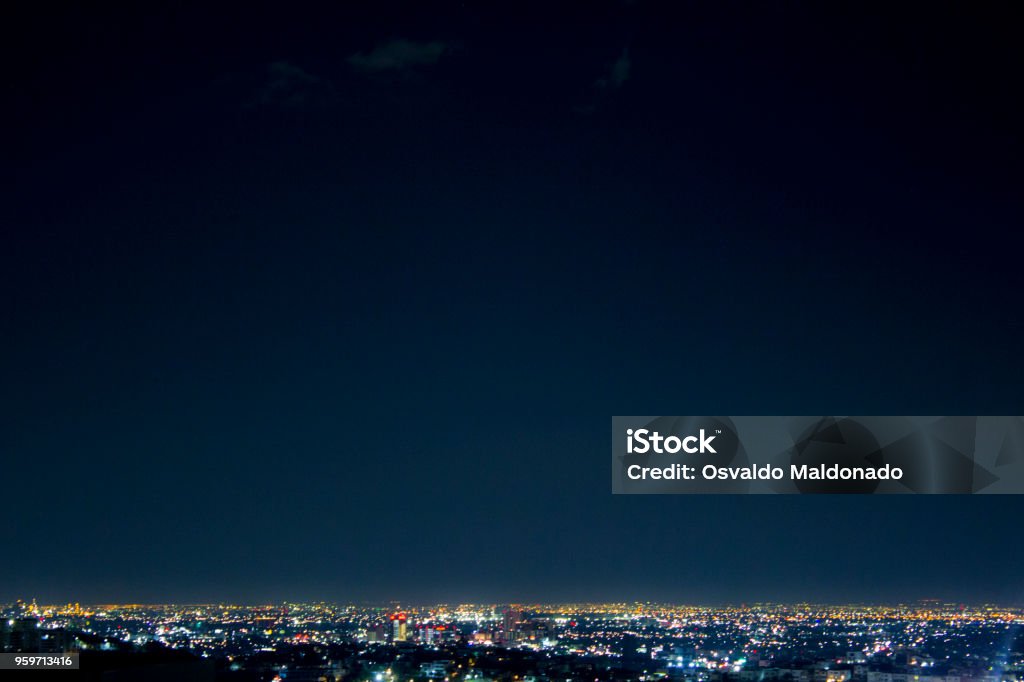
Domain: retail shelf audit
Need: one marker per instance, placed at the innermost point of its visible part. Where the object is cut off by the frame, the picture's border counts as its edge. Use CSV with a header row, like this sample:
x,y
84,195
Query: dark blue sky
x,y
307,303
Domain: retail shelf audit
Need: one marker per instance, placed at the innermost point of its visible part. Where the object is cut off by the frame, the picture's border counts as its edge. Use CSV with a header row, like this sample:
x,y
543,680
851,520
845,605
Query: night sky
x,y
305,303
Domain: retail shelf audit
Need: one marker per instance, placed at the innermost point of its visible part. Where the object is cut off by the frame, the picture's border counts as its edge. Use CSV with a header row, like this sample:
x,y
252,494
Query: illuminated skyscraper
x,y
511,617
399,631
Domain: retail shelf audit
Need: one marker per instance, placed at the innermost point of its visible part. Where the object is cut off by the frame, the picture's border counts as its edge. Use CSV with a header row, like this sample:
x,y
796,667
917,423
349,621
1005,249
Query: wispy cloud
x,y
617,75
289,86
398,55
613,79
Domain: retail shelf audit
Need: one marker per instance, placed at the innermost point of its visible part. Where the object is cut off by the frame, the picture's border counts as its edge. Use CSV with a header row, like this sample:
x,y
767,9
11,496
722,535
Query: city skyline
x,y
35,607
534,642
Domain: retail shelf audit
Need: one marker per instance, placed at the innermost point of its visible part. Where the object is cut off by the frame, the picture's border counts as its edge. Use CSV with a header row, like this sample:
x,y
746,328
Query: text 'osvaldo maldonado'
x,y
644,441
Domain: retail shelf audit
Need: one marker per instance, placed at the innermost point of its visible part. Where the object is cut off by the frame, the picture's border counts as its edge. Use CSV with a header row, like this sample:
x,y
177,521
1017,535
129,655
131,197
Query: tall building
x,y
511,618
399,630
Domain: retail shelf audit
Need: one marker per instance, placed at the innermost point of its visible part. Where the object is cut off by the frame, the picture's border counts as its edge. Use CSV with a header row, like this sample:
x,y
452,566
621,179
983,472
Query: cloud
x,y
618,74
289,86
615,78
398,55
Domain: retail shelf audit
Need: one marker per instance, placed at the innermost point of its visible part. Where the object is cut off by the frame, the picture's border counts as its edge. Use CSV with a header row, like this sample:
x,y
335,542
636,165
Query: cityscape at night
x,y
316,316
923,642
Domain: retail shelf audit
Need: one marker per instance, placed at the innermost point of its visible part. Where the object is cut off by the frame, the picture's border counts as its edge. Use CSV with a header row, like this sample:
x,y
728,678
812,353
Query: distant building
x,y
20,635
434,670
511,618
399,628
